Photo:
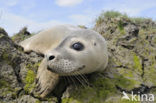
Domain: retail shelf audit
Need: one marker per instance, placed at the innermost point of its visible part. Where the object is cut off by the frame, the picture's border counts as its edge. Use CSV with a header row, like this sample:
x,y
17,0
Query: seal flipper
x,y
46,80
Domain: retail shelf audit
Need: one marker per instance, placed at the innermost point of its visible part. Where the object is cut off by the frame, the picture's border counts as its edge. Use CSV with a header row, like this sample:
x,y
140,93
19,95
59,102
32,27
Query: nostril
x,y
51,57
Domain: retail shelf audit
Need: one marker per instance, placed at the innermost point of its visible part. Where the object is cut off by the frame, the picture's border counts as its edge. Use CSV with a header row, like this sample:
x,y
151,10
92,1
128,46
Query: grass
x,y
115,14
140,19
109,14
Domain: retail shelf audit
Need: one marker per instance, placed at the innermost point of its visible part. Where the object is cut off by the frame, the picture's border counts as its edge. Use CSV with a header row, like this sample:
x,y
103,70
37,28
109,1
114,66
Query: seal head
x,y
80,52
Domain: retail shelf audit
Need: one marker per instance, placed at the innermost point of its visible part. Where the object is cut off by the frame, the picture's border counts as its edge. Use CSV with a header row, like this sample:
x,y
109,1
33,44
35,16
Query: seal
x,y
68,50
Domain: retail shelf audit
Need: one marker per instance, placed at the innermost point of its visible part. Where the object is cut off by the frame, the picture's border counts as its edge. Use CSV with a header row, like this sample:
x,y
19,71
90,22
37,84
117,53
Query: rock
x,y
30,99
18,73
2,32
21,35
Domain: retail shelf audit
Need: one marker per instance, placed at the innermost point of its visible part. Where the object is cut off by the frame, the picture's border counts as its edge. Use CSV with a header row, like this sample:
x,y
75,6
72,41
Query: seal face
x,y
68,50
82,51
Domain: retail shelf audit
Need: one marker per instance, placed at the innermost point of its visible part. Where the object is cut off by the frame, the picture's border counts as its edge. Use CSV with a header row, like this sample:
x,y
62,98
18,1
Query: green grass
x,y
140,19
109,14
115,14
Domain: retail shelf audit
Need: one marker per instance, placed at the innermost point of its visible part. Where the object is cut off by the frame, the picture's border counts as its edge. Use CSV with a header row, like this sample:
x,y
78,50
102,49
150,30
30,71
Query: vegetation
x,y
115,14
108,15
22,35
29,81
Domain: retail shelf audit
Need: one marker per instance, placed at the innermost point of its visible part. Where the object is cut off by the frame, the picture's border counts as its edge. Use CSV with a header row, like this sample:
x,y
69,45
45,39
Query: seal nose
x,y
51,57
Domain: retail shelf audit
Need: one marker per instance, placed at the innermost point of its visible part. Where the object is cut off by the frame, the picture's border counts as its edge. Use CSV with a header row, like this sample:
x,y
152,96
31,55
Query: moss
x,y
125,83
129,101
1,35
30,77
102,89
149,76
36,65
122,32
20,37
7,89
137,63
123,101
33,66
51,99
29,81
154,41
3,83
127,78
1,101
29,66
121,27
115,61
37,101
5,56
14,37
70,100
105,87
20,49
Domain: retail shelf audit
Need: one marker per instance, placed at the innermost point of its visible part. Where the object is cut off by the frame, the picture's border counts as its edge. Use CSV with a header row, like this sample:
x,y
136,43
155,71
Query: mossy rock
x,y
101,89
21,35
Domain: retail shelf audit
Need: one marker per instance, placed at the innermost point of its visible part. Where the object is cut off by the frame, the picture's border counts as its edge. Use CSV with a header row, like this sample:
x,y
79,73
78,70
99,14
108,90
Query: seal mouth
x,y
53,70
64,73
80,68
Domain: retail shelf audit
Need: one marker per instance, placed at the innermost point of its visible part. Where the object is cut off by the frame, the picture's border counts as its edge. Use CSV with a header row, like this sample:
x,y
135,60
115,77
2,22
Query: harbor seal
x,y
68,50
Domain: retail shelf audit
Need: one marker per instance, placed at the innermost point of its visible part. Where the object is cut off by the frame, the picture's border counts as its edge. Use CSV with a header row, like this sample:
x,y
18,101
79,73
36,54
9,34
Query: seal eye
x,y
77,46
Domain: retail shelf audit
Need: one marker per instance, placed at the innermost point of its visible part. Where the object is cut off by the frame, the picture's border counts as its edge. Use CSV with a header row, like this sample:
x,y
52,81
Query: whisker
x,y
79,79
66,79
73,82
101,75
84,78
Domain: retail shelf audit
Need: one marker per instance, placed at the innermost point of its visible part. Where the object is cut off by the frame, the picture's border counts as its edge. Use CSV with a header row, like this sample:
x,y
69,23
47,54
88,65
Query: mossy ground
x,y
29,81
30,77
102,89
7,90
